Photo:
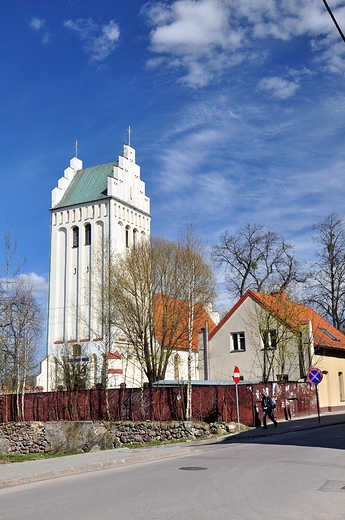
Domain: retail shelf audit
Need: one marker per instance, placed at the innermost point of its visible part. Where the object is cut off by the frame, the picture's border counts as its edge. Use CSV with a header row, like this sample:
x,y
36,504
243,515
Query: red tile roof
x,y
181,335
293,315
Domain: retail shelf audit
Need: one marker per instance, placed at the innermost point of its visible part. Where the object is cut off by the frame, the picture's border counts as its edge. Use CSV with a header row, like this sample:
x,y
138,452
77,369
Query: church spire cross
x,y
76,144
129,135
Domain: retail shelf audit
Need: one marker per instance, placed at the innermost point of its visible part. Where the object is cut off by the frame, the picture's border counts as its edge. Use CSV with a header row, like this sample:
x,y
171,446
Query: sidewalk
x,y
14,474
307,423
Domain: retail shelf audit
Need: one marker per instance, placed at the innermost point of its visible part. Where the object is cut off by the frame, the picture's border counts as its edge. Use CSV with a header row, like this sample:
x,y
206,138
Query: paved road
x,y
297,474
34,471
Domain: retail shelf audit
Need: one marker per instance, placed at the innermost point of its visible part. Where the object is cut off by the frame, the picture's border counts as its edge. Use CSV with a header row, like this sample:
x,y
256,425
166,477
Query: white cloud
x,y
39,25
278,87
38,283
195,34
203,38
99,41
231,159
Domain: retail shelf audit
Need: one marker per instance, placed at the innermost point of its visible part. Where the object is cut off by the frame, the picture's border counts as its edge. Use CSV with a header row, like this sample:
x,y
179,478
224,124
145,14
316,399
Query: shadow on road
x,y
328,433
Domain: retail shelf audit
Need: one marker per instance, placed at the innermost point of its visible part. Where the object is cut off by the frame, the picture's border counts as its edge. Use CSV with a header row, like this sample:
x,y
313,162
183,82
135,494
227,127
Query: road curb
x,y
94,466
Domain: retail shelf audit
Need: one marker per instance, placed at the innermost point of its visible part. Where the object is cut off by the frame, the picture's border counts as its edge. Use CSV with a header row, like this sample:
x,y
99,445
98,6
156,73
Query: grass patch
x,y
19,457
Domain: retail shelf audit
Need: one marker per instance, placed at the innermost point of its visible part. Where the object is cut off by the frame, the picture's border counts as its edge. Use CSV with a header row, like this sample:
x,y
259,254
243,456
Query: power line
x,y
334,20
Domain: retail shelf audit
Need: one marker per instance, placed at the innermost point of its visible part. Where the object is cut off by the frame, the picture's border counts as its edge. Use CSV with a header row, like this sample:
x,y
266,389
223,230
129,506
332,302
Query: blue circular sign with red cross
x,y
314,376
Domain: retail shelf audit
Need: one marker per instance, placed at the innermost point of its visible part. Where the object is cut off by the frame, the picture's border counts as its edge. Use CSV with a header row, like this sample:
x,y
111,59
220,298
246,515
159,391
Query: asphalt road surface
x,y
292,476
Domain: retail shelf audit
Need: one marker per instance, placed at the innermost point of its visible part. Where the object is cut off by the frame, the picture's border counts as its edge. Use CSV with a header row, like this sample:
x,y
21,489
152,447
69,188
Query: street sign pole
x,y
314,377
237,379
317,402
238,412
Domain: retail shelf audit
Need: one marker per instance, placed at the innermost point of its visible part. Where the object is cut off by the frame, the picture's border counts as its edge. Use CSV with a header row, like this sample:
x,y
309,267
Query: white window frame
x,y
238,341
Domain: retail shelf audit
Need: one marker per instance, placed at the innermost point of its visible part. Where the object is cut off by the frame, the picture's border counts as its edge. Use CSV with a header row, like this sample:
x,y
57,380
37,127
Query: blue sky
x,y
237,109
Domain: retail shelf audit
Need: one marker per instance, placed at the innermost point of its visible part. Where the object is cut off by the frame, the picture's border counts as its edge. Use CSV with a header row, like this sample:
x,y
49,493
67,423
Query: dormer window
x,y
329,334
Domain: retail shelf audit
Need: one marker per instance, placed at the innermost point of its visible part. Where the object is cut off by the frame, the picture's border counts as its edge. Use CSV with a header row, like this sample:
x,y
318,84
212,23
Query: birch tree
x,y
21,324
198,291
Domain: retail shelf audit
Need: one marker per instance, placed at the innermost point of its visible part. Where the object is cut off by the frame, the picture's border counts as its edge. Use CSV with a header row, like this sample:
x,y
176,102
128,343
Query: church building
x,y
97,212
91,208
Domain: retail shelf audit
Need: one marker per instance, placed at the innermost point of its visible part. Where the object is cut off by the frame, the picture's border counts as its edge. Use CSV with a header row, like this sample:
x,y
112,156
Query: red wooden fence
x,y
211,403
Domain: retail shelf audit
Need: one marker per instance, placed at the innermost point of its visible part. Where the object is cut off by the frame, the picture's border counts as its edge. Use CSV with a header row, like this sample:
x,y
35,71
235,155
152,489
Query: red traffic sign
x,y
314,376
236,377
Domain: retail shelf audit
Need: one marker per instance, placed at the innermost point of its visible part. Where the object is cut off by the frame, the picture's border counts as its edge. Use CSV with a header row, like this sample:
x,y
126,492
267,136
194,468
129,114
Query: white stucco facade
x,y
91,208
238,342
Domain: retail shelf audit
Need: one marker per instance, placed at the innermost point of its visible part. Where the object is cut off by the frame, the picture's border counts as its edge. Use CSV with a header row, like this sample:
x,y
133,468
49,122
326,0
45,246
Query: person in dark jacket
x,y
267,410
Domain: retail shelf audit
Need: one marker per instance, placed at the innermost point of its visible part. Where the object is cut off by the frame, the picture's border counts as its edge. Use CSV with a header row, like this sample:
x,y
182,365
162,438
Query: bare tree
x,y
21,320
257,259
24,332
147,302
145,297
326,287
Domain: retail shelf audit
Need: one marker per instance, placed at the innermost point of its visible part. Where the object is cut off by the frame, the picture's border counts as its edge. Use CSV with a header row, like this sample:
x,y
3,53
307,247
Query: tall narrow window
x,y
341,385
127,236
75,231
135,231
88,234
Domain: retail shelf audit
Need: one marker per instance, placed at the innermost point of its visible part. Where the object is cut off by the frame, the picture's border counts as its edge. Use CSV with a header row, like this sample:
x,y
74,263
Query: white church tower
x,y
91,208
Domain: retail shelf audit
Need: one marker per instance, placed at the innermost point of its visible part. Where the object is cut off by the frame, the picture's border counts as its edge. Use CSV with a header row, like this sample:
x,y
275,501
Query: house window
x,y
75,231
88,234
270,338
341,385
238,341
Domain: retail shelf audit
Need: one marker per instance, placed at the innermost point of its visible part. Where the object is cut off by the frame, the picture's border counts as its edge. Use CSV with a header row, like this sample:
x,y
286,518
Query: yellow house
x,y
272,339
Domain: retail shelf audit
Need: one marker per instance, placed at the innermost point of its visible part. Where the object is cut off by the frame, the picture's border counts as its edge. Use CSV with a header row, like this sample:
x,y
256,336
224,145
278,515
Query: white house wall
x,y
223,358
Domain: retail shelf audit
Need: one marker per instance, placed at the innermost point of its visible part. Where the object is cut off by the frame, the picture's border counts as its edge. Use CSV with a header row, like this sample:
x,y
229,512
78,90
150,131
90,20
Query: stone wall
x,y
66,437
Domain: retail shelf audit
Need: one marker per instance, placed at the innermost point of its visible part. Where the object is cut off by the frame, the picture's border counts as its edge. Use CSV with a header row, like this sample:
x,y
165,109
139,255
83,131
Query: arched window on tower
x,y
127,236
75,232
135,232
88,234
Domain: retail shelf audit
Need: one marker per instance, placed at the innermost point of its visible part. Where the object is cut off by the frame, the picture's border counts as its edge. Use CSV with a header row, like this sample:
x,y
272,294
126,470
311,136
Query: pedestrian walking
x,y
268,404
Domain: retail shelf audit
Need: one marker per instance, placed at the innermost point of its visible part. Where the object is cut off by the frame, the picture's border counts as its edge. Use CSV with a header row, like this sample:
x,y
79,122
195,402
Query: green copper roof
x,y
88,184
